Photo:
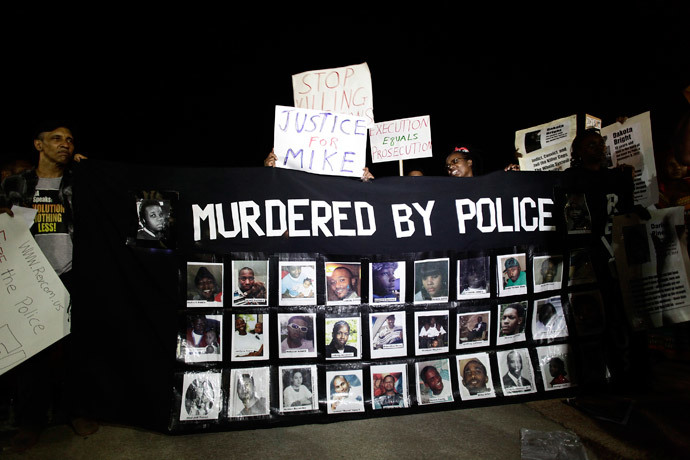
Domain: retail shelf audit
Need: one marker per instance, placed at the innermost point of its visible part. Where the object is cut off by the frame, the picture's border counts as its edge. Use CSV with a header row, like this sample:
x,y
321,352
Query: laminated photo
x,y
250,283
345,391
554,362
474,375
547,273
249,394
432,332
299,389
581,269
297,283
587,309
249,343
388,334
474,278
343,283
434,384
474,329
517,374
296,335
431,281
204,284
512,321
512,277
203,338
548,320
389,389
387,282
201,396
343,338
155,225
577,217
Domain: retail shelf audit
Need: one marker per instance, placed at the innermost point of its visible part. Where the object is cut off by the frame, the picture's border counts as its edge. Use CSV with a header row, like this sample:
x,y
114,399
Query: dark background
x,y
197,85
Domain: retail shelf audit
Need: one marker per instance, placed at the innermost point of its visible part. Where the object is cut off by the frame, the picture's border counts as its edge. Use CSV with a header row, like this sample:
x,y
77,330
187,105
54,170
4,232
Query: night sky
x,y
198,86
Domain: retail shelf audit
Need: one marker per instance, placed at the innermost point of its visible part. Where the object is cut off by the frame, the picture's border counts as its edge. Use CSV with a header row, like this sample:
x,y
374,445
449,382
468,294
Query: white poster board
x,y
630,143
653,267
546,147
403,139
339,90
33,301
320,142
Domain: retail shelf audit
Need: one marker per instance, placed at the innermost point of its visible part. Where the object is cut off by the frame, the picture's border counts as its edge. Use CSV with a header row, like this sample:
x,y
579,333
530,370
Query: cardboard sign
x,y
403,139
320,142
340,90
34,302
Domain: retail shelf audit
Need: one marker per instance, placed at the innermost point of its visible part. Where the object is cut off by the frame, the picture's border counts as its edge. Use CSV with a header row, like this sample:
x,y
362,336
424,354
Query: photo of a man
x,y
434,382
474,374
342,283
203,338
473,329
512,278
250,283
297,283
204,284
387,334
547,273
249,393
345,391
517,375
344,336
248,341
548,320
387,282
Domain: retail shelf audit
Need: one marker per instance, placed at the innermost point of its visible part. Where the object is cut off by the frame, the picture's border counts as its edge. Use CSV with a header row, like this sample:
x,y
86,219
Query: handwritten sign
x,y
34,302
320,142
339,90
403,139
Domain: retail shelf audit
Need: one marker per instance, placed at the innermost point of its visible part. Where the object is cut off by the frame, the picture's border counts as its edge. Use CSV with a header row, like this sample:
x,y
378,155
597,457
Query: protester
x,y
460,162
271,159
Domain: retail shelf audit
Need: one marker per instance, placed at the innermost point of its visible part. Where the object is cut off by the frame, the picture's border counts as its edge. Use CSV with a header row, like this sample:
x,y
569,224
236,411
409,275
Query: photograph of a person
x,y
387,331
474,329
387,282
474,375
296,335
249,394
473,278
548,321
517,375
432,332
431,281
389,386
577,216
153,219
512,321
203,338
554,362
345,391
249,342
434,381
297,283
249,283
343,338
204,284
202,396
547,272
299,388
512,277
587,308
343,283
581,270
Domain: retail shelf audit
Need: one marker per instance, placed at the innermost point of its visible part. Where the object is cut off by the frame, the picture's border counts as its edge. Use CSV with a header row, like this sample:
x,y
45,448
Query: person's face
x,y
154,218
593,149
545,313
295,271
206,286
553,369
341,385
514,364
674,169
211,337
259,328
341,336
245,388
297,380
458,166
391,321
56,146
510,321
474,377
474,274
241,326
513,273
432,284
384,281
388,384
340,283
433,380
297,333
548,271
246,279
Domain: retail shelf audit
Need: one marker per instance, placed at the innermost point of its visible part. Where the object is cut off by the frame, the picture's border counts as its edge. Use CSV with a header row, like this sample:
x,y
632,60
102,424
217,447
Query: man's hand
x,y
78,157
7,211
366,175
271,160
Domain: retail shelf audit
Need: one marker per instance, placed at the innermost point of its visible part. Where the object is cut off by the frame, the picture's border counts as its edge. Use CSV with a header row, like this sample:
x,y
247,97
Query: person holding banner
x,y
459,163
271,159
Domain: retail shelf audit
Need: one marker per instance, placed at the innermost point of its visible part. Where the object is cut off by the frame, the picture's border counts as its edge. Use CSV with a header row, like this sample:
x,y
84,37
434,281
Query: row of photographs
x,y
298,282
248,391
385,333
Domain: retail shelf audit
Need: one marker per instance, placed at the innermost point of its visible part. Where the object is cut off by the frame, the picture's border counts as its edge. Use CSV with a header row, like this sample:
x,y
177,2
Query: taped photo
x,y
343,337
203,338
249,343
297,283
296,333
249,393
512,274
201,398
155,225
555,365
474,375
343,283
388,334
204,284
387,282
512,322
345,391
577,217
547,273
548,320
250,283
431,281
474,278
389,388
517,374
299,388
474,329
434,384
432,332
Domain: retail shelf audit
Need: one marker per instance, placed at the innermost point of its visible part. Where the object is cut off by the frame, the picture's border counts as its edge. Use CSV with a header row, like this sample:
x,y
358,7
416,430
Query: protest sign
x,y
34,312
320,142
546,147
653,267
592,122
630,143
339,90
403,139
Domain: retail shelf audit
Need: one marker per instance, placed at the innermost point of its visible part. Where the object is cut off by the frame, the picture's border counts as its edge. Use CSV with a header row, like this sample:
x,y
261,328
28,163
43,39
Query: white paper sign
x,y
339,90
403,139
320,142
33,300
546,147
